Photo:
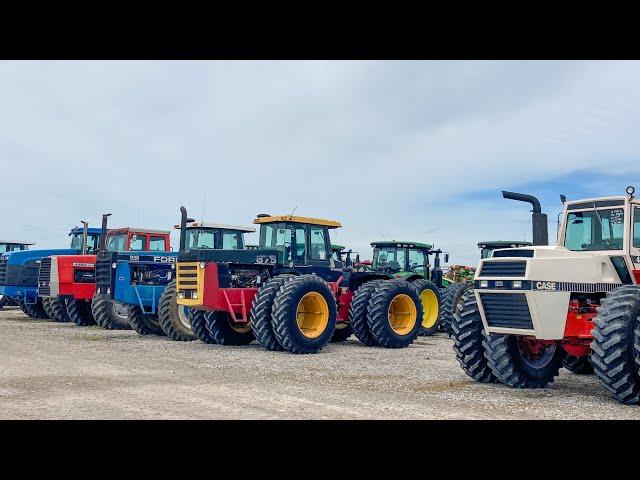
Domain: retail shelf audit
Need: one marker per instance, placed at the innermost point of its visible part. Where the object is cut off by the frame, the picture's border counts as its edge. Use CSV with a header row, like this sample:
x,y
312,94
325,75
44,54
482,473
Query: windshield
x,y
10,247
203,238
595,230
117,242
388,257
289,240
92,242
486,252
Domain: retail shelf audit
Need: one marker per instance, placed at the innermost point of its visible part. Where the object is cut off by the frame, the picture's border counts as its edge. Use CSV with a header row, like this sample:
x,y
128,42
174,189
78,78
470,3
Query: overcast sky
x,y
394,150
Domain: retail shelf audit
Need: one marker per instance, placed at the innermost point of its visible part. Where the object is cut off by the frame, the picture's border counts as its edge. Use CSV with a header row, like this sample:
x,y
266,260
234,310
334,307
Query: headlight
x,y
114,265
516,284
195,295
180,294
484,283
202,265
173,266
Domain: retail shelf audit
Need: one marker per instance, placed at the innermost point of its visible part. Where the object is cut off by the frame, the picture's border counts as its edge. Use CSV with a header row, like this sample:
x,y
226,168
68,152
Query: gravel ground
x,y
60,371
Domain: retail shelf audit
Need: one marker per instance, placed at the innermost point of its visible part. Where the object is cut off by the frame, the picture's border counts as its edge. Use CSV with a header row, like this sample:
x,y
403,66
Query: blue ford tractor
x,y
130,284
19,270
6,247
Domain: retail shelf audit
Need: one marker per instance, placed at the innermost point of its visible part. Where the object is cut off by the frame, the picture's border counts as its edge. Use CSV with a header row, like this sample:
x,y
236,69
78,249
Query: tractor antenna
x,y
204,199
294,210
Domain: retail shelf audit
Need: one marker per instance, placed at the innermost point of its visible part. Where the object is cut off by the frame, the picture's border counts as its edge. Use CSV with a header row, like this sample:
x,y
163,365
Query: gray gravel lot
x,y
60,371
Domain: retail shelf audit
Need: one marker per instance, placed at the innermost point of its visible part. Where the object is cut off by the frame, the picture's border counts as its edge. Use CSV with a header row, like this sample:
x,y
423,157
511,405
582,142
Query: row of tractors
x,y
294,291
525,312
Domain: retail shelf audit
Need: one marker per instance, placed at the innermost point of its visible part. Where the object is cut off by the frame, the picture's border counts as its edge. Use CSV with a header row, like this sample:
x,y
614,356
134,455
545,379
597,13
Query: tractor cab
x,y
207,236
487,248
130,239
7,246
93,239
407,260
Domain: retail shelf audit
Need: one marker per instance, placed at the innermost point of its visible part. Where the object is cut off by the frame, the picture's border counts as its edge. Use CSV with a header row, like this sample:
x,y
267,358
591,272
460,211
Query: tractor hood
x,y
261,257
550,264
23,256
526,291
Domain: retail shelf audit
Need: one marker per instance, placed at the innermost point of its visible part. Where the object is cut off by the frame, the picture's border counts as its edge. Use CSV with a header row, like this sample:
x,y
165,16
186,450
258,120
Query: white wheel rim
x,y
183,316
120,310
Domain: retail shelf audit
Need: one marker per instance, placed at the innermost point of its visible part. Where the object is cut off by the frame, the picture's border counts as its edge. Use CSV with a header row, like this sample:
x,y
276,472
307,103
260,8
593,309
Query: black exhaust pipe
x,y
103,233
183,227
538,219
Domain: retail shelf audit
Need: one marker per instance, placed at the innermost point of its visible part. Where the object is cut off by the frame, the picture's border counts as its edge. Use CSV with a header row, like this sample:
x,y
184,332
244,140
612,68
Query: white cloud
x,y
385,147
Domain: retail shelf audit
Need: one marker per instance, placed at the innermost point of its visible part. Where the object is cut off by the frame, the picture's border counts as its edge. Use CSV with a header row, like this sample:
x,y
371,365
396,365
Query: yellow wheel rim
x,y
430,308
402,314
312,315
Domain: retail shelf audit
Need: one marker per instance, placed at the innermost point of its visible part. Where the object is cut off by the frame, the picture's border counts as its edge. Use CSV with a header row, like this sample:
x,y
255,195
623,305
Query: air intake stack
x,y
538,219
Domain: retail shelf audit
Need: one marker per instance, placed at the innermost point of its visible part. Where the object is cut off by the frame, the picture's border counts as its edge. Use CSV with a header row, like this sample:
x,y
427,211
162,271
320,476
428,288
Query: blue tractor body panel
x,y
19,269
139,278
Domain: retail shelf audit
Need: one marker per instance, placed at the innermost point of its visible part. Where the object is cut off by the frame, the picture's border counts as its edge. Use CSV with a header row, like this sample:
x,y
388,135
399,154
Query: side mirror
x,y
446,258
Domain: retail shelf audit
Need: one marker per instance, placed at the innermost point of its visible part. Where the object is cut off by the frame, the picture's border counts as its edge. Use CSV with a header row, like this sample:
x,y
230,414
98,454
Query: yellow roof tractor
x,y
290,293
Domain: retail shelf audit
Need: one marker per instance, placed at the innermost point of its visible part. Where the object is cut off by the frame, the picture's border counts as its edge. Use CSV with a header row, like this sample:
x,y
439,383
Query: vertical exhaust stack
x,y
103,234
85,231
538,219
183,227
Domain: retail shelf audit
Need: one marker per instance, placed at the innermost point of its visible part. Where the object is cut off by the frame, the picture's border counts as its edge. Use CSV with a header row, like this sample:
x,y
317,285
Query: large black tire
x,y
46,306
174,319
33,310
4,301
261,310
342,332
467,332
451,304
142,323
225,331
394,314
108,313
199,326
431,302
511,367
616,344
57,310
309,300
79,312
358,313
578,365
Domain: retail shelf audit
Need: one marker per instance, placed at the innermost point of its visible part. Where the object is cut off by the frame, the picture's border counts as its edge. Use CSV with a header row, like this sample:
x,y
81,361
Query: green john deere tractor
x,y
459,278
410,261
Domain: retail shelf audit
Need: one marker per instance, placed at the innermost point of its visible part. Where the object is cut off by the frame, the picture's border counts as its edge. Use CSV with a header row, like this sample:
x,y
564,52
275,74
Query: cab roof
x,y
137,230
337,248
90,230
399,243
503,243
220,226
294,219
11,242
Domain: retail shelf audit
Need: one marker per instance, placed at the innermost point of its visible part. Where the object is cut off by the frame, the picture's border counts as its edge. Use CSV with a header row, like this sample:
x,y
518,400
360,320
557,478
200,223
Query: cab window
x,y
301,246
416,261
318,243
138,243
636,227
116,243
156,244
232,241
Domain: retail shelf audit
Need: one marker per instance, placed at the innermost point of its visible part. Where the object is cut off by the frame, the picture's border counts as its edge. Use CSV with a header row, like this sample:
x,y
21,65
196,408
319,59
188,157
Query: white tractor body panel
x,y
539,305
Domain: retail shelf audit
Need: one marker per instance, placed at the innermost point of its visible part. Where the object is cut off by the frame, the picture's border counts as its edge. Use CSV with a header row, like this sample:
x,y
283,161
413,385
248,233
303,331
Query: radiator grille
x,y
3,270
503,269
508,310
103,269
44,277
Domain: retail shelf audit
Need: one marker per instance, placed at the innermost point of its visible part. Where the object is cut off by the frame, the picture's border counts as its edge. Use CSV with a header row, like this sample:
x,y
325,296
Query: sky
x,y
416,151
